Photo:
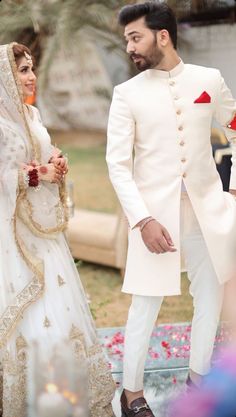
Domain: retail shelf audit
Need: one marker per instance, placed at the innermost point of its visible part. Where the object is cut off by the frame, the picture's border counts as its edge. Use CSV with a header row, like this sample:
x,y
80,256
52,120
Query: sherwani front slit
x,y
159,139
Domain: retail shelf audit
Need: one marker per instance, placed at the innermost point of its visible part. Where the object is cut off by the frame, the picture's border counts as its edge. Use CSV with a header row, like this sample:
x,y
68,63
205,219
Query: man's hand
x,y
233,192
157,238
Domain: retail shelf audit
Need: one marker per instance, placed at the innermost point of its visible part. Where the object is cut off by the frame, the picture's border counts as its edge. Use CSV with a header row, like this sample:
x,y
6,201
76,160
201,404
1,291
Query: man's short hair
x,y
157,16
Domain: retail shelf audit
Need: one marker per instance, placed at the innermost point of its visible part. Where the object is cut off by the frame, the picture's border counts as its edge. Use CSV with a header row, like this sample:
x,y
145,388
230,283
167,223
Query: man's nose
x,y
130,48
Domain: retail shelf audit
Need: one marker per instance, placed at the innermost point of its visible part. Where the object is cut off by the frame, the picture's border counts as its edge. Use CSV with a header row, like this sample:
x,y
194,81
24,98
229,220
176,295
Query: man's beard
x,y
151,60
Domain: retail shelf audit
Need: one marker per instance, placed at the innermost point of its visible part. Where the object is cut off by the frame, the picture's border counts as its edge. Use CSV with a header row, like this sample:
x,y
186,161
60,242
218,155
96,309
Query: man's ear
x,y
163,37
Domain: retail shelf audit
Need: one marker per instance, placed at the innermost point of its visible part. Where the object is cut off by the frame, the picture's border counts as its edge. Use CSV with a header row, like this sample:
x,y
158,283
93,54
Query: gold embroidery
x,y
60,280
99,380
101,385
27,296
14,380
22,180
13,313
46,322
25,213
14,376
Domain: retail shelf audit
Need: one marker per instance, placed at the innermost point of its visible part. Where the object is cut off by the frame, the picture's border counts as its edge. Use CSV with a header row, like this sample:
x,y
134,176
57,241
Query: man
x,y
160,163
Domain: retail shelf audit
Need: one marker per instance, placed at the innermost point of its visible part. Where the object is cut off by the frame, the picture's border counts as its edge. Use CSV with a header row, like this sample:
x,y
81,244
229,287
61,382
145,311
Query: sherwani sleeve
x,y
226,115
119,156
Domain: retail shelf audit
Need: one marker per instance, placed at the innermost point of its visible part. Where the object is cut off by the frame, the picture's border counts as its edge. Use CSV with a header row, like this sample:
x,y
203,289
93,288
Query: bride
x,y
41,296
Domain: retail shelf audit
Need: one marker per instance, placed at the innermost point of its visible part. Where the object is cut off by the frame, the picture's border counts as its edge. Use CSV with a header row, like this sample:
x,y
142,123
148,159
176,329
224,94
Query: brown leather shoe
x,y
138,407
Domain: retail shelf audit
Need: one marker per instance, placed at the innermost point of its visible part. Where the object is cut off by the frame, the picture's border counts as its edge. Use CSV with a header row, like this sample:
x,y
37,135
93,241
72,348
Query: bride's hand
x,y
62,163
50,173
57,153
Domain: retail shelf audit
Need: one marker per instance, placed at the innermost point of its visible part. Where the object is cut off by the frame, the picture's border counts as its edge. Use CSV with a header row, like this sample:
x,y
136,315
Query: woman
x,y
41,296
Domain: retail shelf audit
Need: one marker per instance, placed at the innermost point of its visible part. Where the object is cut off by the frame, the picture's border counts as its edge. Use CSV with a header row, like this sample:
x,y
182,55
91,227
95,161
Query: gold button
x,y
180,128
183,159
182,143
178,112
172,82
184,175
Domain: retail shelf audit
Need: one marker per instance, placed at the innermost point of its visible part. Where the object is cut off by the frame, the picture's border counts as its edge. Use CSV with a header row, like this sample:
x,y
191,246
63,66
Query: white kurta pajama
x,y
155,115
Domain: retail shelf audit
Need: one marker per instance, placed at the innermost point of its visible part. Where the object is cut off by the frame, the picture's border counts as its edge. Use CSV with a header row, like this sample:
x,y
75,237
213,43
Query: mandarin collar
x,y
166,74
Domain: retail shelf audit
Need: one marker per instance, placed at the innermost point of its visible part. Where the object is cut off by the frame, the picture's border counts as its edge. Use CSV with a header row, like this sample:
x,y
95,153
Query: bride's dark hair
x,y
19,51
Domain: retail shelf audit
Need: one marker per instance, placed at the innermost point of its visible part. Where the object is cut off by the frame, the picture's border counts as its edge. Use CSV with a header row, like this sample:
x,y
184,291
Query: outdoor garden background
x,y
71,38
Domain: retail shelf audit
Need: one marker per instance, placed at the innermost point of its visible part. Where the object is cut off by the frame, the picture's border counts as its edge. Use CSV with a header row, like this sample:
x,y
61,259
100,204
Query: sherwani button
x,y
176,98
178,112
184,175
180,128
182,143
183,160
172,83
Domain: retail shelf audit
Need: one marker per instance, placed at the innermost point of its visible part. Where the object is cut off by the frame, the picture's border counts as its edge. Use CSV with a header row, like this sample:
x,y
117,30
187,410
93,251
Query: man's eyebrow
x,y
131,33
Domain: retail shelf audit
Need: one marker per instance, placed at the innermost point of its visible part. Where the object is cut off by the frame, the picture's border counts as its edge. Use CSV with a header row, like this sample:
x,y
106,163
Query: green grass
x,y
88,171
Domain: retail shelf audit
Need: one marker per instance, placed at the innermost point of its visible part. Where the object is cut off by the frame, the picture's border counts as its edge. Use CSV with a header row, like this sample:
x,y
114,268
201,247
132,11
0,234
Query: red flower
x,y
165,344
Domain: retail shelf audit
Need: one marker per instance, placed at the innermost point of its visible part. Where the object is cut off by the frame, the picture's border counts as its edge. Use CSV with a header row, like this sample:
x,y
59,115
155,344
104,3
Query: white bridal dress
x,y
41,296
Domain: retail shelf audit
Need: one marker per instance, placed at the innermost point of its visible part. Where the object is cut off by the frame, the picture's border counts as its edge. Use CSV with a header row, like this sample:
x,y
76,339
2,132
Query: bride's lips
x,y
30,86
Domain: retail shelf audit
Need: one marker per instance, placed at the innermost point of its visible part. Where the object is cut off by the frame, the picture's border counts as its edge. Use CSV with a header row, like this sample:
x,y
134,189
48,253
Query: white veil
x,y
17,146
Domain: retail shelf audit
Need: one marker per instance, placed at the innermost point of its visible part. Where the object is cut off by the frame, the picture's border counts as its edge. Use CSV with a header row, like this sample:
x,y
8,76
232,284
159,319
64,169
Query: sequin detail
x,y
13,375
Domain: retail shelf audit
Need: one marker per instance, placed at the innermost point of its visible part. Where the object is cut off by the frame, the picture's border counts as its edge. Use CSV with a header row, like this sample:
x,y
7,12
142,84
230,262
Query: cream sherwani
x,y
157,139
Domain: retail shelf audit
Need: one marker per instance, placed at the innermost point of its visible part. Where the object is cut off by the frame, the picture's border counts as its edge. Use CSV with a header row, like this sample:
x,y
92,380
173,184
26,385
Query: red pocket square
x,y
232,124
203,98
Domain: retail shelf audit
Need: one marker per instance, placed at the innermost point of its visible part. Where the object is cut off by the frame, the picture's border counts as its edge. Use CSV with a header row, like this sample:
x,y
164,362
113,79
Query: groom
x,y
160,163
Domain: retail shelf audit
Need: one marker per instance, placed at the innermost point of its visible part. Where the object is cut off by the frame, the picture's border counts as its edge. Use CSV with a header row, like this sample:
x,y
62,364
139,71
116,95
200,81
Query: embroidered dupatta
x,y
18,145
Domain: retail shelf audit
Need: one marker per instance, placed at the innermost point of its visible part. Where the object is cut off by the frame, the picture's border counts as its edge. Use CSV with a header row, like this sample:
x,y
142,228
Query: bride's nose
x,y
32,76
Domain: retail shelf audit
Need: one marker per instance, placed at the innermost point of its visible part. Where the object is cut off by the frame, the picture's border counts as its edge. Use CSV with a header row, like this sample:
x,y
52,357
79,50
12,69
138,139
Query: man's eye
x,y
136,39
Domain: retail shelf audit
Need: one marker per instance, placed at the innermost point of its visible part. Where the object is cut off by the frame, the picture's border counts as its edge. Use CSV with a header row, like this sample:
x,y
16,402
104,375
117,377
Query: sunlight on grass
x,y
110,307
88,171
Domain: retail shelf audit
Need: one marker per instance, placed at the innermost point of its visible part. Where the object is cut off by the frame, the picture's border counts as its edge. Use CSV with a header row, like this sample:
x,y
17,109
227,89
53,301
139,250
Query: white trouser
x,y
207,301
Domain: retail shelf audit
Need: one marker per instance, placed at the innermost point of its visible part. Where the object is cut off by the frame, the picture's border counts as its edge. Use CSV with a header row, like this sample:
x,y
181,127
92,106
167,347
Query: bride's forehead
x,y
23,62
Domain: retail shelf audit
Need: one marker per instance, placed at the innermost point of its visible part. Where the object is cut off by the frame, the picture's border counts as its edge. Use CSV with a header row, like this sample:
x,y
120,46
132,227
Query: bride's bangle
x,y
33,178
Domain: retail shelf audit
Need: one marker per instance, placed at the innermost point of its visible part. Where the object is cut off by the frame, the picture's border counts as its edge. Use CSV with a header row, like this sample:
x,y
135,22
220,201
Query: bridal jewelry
x,y
28,58
33,178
